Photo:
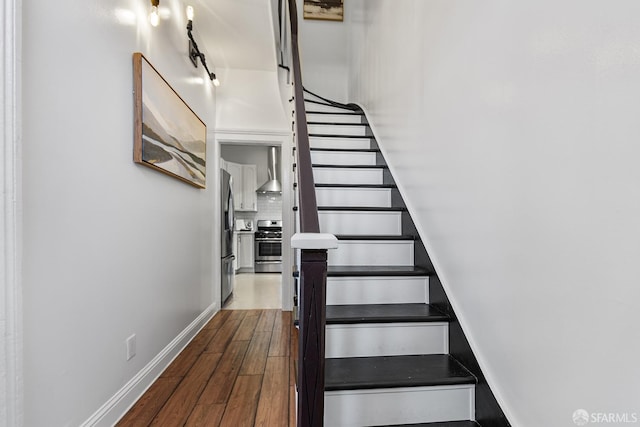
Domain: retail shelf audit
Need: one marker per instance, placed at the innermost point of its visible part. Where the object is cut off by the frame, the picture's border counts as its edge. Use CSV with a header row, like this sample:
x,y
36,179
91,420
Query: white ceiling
x,y
236,33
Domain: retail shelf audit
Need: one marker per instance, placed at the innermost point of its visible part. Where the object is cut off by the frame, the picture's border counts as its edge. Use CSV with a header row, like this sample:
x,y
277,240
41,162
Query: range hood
x,y
273,184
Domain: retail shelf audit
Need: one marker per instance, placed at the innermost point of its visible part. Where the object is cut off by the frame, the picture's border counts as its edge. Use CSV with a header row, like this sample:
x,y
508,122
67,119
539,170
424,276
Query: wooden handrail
x,y
307,193
313,259
352,107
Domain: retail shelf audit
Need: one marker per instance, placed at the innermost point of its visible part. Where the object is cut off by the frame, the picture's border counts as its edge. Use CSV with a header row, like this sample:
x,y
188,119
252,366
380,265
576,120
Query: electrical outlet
x,y
131,347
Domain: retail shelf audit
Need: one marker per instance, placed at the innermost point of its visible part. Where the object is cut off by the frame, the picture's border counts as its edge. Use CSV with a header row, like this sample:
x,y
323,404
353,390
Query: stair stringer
x,y
488,410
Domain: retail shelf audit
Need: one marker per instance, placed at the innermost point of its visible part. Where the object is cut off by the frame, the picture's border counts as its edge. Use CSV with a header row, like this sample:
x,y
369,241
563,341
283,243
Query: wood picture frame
x,y
168,136
326,10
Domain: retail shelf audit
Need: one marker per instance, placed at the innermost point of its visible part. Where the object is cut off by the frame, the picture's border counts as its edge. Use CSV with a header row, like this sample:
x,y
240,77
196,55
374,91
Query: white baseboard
x,y
127,396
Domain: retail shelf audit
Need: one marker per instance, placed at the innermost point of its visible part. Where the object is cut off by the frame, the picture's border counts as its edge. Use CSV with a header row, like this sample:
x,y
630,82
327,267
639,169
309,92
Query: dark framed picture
x,y
168,137
329,10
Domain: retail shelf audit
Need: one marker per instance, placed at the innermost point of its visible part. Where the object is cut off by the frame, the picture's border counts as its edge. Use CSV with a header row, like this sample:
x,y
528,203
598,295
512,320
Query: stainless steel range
x,y
268,253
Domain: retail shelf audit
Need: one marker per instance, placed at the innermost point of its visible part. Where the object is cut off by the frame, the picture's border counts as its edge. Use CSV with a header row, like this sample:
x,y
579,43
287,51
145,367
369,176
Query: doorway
x,y
248,156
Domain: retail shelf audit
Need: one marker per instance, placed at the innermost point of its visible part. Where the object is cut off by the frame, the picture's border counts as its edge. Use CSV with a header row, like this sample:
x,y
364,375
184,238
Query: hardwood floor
x,y
238,371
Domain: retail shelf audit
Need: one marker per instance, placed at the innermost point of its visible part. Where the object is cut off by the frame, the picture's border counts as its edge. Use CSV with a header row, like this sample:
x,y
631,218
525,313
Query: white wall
x,y
111,248
512,128
249,100
323,55
11,372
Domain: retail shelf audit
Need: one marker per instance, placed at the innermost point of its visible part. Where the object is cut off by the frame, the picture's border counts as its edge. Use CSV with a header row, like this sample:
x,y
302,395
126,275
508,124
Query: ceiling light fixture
x,y
194,51
154,15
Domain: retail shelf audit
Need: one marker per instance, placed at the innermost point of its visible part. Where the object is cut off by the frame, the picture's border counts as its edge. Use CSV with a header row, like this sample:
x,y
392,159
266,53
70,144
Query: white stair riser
x,y
411,405
347,176
338,130
377,290
310,106
387,339
346,143
334,118
372,252
354,197
358,223
341,158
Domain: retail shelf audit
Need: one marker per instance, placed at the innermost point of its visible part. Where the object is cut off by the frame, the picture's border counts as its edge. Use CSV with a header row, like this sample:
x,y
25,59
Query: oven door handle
x,y
269,240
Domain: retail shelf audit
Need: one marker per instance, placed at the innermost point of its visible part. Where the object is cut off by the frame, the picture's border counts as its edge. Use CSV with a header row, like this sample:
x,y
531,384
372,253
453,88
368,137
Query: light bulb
x,y
215,81
190,13
154,16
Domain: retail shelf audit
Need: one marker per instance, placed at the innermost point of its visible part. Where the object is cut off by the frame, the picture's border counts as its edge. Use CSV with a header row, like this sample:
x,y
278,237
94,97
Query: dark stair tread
x,y
374,270
440,424
361,208
348,150
375,237
357,373
337,124
384,313
356,186
350,166
322,135
344,113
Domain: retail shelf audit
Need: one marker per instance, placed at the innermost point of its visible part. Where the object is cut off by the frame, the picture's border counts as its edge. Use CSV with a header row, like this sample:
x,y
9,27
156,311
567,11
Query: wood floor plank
x,y
248,326
228,329
179,406
185,360
221,382
204,336
273,406
266,320
256,358
241,408
217,320
208,383
206,415
280,340
181,364
146,408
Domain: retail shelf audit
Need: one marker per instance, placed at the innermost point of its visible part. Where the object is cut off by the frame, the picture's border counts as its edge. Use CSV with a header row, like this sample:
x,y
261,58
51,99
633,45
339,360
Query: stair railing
x,y
310,244
327,101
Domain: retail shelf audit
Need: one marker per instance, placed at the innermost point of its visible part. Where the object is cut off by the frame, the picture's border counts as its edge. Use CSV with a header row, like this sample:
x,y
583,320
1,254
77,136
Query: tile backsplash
x,y
269,207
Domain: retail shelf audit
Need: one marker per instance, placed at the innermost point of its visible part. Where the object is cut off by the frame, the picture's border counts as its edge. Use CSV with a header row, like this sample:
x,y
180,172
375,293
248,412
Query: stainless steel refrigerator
x,y
226,235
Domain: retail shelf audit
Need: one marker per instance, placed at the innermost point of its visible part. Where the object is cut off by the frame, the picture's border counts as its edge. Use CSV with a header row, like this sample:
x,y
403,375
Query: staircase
x,y
387,348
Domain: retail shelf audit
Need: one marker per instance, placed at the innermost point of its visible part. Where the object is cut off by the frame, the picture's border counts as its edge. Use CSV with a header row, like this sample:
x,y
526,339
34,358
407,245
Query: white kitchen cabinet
x,y
244,254
249,187
244,186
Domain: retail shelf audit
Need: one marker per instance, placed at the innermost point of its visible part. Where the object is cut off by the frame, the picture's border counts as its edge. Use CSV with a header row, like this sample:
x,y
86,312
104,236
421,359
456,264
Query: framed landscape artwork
x,y
330,10
169,136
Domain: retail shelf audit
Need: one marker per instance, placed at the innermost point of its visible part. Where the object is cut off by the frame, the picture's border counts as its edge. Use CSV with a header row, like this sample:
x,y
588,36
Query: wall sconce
x,y
194,52
154,15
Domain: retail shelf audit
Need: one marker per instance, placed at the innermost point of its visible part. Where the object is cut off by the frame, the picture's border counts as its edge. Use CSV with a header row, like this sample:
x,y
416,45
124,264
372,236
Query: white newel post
x,y
11,408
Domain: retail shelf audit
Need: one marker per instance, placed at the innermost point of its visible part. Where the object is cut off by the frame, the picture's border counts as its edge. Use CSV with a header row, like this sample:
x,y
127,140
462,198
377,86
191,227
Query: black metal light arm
x,y
194,53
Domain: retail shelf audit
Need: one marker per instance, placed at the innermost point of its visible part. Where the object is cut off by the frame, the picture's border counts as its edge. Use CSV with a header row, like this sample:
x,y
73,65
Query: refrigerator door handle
x,y
232,213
